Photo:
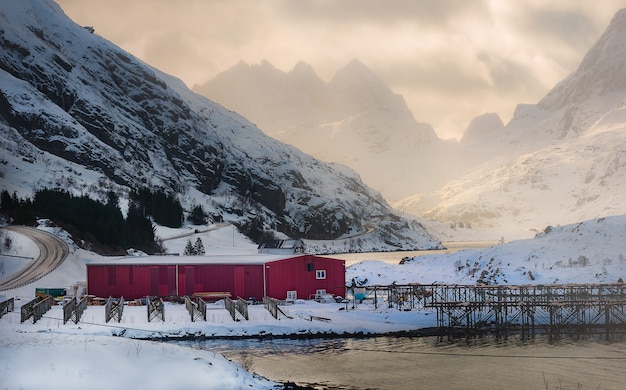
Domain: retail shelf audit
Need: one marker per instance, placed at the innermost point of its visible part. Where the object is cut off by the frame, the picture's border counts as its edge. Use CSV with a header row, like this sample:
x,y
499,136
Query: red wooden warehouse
x,y
246,276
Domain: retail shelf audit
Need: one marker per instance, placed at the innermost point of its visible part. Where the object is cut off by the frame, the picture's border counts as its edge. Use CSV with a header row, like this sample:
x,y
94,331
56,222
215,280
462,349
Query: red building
x,y
276,276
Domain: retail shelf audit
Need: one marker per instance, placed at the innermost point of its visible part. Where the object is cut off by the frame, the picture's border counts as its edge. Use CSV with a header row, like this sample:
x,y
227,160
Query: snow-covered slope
x,y
82,114
354,119
592,251
557,162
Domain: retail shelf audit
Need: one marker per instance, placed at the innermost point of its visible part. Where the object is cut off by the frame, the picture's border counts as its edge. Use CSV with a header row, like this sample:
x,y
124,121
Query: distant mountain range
x,y
79,113
560,161
354,119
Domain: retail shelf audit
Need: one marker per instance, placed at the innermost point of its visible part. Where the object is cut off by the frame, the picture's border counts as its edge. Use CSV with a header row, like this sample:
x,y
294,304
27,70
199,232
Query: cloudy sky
x,y
452,60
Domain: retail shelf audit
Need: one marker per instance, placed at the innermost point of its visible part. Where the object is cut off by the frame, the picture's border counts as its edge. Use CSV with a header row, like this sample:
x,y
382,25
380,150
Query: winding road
x,y
52,252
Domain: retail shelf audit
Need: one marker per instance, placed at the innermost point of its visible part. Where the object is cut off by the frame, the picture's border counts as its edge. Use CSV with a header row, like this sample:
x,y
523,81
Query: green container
x,y
53,292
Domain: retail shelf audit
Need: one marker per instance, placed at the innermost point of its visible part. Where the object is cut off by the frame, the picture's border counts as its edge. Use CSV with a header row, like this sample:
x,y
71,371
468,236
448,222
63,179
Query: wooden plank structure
x,y
402,297
113,309
7,306
156,308
271,304
35,309
196,308
73,309
557,309
234,307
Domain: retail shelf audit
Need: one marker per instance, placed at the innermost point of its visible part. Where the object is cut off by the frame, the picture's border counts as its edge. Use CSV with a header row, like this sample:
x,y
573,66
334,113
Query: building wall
x,y
240,280
243,281
299,274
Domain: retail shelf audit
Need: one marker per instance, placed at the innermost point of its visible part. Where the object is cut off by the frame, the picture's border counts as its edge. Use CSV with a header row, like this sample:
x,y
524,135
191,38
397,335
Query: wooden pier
x,y
556,309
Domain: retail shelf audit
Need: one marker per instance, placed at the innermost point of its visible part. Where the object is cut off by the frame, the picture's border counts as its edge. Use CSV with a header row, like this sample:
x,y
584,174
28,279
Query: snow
x,y
592,251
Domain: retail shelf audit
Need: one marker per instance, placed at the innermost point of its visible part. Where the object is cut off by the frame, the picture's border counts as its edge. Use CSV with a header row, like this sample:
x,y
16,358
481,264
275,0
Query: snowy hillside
x,y
354,119
557,162
593,251
78,113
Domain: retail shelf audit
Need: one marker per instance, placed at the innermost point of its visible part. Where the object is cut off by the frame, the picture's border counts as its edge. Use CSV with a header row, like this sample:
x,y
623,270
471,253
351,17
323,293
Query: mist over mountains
x,y
80,114
353,119
559,161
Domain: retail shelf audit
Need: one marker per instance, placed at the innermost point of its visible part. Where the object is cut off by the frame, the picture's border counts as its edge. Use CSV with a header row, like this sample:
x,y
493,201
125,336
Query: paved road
x,y
52,252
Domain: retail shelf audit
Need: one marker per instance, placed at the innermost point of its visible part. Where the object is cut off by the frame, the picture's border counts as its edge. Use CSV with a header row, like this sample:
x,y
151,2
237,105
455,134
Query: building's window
x,y
292,295
320,293
320,274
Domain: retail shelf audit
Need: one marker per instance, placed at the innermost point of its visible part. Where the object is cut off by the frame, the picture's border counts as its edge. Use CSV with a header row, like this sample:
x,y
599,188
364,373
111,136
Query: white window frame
x,y
320,293
292,295
320,274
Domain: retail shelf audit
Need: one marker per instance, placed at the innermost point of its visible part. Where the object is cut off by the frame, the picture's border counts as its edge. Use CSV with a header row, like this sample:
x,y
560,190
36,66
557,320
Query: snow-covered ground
x,y
77,355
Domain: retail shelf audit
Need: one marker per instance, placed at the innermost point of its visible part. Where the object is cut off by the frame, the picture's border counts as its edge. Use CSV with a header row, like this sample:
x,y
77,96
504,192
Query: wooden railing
x,y
155,308
196,308
74,309
239,306
35,309
271,304
7,306
114,309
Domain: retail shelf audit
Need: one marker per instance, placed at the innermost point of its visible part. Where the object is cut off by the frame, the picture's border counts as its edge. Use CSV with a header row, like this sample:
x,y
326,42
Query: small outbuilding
x,y
246,276
281,247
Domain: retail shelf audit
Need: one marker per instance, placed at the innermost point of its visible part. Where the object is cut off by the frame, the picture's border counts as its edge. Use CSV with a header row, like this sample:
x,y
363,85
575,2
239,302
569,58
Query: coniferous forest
x,y
98,225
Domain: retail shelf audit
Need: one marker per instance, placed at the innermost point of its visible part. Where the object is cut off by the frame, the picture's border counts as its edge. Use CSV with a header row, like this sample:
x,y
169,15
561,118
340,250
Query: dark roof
x,y
280,244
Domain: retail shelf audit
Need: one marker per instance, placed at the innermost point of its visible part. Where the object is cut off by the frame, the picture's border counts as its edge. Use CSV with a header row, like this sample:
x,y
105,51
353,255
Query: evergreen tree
x,y
197,216
199,247
190,249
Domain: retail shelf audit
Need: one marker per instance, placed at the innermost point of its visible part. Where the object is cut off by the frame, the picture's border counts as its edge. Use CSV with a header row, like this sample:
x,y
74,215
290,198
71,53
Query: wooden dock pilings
x,y
557,309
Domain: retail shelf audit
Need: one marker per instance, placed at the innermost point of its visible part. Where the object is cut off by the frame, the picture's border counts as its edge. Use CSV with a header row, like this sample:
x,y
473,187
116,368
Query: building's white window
x,y
320,274
292,295
320,293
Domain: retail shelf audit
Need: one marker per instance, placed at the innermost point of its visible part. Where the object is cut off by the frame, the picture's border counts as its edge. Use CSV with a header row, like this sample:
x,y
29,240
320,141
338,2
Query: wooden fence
x,y
113,309
156,308
239,306
196,308
7,306
74,309
271,304
35,309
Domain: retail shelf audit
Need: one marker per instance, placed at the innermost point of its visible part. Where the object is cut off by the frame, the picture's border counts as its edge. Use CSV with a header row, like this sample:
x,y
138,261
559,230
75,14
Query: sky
x,y
451,60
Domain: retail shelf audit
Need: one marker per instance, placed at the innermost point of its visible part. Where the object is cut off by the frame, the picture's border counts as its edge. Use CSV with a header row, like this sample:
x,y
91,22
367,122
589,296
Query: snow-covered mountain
x,y
354,119
592,251
78,113
560,161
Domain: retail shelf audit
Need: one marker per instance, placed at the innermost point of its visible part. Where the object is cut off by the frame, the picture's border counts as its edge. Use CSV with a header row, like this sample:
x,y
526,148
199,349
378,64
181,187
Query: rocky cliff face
x,y
68,93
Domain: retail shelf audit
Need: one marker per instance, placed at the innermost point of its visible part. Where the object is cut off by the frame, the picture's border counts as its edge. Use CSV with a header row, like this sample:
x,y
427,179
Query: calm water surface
x,y
395,257
432,363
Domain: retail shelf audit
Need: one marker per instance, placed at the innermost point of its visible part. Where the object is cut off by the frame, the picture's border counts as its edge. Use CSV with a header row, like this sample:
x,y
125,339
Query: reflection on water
x,y
432,363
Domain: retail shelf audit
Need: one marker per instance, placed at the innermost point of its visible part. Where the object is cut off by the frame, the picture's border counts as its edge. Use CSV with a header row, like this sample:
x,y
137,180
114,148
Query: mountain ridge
x,y
72,99
559,161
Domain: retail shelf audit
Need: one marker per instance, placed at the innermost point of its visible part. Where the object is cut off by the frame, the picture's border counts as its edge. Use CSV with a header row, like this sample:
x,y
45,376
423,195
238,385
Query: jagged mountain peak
x,y
482,125
602,70
560,161
70,98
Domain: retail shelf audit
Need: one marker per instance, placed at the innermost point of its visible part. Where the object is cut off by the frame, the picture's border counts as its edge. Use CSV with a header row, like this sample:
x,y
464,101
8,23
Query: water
x,y
395,257
431,363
